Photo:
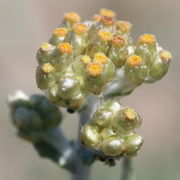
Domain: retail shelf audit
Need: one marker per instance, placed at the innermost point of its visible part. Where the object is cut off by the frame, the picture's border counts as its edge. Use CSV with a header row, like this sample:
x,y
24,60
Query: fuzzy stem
x,y
83,171
127,173
58,148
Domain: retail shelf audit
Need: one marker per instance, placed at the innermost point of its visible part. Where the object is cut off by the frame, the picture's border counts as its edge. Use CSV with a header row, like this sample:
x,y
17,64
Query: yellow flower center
x,y
123,26
130,114
95,68
80,28
147,39
100,57
45,47
86,59
166,56
60,32
104,35
47,68
107,12
65,48
72,17
118,40
134,60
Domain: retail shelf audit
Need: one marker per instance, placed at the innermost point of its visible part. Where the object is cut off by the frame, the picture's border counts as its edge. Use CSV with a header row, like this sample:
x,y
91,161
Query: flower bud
x,y
45,76
107,132
135,70
128,120
78,38
112,146
59,35
160,66
102,117
71,18
118,52
68,87
147,48
45,53
132,144
90,136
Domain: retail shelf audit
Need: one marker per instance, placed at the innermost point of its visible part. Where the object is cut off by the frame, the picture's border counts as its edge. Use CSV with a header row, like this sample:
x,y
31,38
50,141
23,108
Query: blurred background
x,y
26,24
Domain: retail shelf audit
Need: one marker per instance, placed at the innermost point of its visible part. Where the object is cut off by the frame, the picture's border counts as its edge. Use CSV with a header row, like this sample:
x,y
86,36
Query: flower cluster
x,y
90,56
112,130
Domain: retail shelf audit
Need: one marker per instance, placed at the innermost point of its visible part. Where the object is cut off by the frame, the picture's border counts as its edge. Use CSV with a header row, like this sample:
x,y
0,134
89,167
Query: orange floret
x,y
47,68
166,56
118,40
80,29
65,48
95,68
134,60
147,39
123,26
100,57
105,35
130,114
72,17
60,32
107,12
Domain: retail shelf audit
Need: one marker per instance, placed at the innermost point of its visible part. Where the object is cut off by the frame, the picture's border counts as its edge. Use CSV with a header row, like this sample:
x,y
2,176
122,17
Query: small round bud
x,y
47,68
104,35
102,117
46,47
100,57
128,120
118,41
68,87
72,17
90,136
147,39
107,12
85,59
65,48
96,18
107,132
165,56
60,32
80,29
107,21
130,114
95,68
112,146
134,60
132,144
123,26
77,101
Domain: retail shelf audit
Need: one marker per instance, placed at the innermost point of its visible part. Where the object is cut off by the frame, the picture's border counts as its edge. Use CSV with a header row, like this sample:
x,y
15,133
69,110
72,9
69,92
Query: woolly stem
x,y
127,173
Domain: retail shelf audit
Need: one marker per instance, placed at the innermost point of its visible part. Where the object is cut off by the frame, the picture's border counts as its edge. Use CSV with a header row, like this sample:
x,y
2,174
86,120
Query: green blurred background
x,y
25,24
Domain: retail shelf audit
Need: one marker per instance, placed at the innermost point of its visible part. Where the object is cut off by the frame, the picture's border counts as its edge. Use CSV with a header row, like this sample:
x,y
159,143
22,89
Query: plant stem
x,y
127,173
83,171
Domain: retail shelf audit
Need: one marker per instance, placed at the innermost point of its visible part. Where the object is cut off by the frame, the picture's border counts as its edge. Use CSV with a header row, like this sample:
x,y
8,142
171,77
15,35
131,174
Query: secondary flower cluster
x,y
85,57
33,115
112,130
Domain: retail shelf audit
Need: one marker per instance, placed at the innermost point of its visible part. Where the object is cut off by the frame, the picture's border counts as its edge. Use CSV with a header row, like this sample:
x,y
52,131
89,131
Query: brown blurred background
x,y
24,25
